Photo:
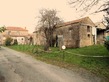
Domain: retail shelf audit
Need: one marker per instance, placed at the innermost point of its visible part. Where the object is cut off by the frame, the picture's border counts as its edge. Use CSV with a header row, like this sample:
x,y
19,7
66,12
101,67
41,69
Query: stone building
x,y
77,33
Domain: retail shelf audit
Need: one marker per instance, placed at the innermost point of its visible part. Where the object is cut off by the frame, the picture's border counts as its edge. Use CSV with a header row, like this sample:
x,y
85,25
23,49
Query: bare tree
x,y
86,5
48,21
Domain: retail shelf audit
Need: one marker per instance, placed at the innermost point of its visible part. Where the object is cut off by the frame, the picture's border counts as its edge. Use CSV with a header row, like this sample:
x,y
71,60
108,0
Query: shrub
x,y
106,44
8,41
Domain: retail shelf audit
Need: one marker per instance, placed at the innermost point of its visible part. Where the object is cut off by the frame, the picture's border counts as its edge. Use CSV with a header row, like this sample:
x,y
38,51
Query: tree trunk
x,y
46,46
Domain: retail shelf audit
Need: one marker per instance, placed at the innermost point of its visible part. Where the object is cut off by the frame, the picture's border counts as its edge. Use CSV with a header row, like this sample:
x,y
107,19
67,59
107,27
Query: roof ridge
x,y
15,28
73,21
79,19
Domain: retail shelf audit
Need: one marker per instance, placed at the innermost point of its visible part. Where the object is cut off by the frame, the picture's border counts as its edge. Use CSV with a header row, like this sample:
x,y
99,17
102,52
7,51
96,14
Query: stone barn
x,y
77,33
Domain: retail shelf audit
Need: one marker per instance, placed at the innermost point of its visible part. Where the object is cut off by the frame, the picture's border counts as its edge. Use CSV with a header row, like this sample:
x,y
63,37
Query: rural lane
x,y
19,67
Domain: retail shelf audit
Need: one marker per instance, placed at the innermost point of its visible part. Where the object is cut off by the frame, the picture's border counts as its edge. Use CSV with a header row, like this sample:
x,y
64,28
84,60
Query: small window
x,y
88,35
88,28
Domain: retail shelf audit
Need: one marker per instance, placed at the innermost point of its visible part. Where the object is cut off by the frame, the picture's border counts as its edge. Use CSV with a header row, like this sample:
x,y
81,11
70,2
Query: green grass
x,y
99,65
26,48
91,50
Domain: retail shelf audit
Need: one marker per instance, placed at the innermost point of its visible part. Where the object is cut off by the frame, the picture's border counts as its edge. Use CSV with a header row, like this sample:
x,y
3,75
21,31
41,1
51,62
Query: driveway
x,y
19,67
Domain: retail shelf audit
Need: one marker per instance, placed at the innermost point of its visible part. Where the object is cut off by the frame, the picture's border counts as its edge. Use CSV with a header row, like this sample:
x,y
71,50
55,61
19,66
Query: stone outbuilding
x,y
77,33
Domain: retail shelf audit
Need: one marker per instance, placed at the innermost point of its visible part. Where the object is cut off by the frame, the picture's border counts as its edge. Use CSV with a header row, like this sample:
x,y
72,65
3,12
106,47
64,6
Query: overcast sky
x,y
23,13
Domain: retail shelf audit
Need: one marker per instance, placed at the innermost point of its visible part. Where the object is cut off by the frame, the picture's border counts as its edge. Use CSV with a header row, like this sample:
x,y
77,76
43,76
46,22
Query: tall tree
x,y
48,21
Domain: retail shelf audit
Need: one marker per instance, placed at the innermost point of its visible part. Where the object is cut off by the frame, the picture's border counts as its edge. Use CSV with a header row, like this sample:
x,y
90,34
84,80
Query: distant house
x,y
16,33
101,32
77,33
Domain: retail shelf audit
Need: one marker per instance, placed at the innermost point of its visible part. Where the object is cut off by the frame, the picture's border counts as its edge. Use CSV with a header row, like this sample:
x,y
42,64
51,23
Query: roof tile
x,y
16,28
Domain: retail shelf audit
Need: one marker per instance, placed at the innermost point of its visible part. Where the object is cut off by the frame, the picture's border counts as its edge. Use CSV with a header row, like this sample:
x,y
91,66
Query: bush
x,y
106,44
8,41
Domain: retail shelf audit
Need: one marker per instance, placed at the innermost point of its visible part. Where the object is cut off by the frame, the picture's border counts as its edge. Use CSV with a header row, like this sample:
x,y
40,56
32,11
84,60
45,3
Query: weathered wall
x,y
39,38
86,38
70,35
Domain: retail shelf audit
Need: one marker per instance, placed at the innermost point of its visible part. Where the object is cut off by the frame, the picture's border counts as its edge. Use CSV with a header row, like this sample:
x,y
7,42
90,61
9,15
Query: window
x,y
88,35
88,28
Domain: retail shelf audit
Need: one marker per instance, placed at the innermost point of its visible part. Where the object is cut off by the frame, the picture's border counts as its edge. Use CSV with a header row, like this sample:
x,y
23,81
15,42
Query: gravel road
x,y
19,67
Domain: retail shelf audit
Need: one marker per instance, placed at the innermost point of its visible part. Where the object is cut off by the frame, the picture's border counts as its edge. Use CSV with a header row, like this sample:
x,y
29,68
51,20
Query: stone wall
x,y
86,38
70,35
39,38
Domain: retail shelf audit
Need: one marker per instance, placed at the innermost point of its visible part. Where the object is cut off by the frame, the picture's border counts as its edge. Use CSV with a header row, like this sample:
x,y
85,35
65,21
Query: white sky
x,y
23,13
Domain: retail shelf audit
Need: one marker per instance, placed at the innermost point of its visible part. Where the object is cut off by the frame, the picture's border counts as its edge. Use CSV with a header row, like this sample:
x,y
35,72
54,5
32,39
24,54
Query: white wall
x,y
94,32
21,40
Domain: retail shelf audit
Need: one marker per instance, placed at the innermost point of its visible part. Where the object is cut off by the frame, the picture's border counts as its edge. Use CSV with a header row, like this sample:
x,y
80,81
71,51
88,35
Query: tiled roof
x,y
15,35
100,25
16,29
73,22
